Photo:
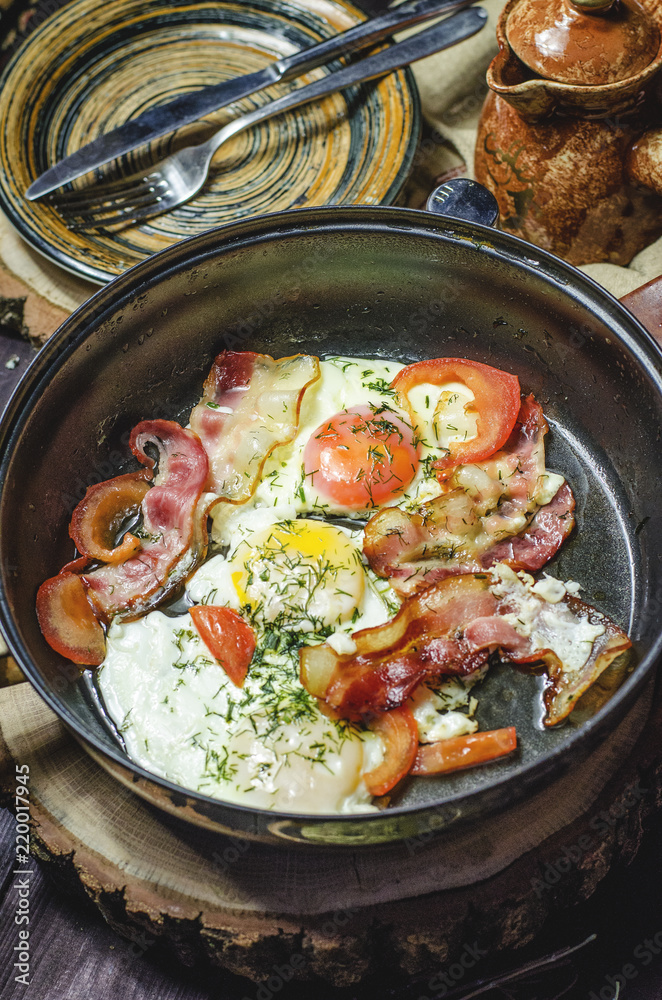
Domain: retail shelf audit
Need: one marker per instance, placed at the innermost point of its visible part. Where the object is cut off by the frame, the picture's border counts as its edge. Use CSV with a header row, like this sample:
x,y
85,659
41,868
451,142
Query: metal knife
x,y
196,104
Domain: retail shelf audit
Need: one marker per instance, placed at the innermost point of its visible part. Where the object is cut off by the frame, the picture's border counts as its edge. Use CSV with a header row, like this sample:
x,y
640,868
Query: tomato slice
x,y
361,457
464,751
399,732
496,402
229,639
67,620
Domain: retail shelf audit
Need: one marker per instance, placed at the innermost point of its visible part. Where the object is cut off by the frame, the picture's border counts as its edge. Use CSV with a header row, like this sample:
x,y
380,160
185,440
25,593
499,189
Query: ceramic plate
x,y
92,66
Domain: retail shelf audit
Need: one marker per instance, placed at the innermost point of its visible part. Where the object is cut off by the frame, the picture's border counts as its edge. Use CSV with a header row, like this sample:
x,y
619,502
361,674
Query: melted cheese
x,y
542,617
438,714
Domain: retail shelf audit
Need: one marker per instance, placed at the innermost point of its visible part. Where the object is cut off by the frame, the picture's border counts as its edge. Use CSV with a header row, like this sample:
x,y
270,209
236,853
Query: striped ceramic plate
x,y
93,65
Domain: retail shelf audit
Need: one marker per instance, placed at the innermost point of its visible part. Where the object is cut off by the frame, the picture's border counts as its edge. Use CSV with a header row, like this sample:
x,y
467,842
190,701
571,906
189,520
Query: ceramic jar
x,y
567,141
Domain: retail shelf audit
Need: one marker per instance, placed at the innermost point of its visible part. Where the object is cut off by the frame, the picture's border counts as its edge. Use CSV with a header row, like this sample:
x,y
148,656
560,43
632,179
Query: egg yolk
x,y
361,457
299,573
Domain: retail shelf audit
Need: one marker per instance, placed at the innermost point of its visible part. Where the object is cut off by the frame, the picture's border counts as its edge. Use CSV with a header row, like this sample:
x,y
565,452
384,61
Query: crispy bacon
x,y
139,573
98,518
545,535
67,620
424,639
250,404
174,530
489,513
399,733
451,628
565,687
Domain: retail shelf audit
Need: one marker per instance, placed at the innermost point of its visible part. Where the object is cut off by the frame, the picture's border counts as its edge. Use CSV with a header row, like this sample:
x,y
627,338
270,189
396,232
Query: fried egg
x,y
304,569
350,384
267,743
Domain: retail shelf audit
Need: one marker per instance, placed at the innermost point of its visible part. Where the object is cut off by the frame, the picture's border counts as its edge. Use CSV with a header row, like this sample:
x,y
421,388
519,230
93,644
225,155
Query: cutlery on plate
x,y
179,177
196,104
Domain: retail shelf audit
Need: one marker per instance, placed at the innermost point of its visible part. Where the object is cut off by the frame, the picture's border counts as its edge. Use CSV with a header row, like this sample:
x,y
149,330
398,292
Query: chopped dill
x,y
126,722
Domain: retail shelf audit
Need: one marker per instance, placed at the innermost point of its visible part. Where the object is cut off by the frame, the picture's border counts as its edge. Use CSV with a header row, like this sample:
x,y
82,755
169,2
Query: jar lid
x,y
585,42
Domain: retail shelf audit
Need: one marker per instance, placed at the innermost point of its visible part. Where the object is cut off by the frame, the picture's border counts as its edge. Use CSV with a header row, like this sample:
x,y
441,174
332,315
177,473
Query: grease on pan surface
x,y
90,67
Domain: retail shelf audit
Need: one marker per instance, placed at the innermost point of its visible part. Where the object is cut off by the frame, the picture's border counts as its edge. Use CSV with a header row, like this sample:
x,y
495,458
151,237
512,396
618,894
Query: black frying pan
x,y
375,282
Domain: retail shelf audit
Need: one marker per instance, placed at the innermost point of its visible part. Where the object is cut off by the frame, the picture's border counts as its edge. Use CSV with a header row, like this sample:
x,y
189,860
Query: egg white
x,y
266,745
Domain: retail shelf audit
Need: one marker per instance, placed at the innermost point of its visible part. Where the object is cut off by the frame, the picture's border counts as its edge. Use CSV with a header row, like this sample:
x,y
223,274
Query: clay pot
x,y
575,167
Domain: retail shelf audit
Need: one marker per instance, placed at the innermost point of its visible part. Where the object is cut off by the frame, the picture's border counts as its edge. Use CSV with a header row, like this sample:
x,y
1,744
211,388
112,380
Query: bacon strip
x,y
451,628
142,571
544,536
100,514
67,620
250,404
488,514
565,686
174,530
399,733
424,639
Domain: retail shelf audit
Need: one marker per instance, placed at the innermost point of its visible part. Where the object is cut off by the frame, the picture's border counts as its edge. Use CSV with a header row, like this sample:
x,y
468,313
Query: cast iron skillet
x,y
372,282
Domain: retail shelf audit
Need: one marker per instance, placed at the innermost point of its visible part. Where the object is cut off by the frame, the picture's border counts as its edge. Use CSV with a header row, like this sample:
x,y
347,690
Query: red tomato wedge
x,y
361,457
67,620
464,751
399,732
496,402
229,639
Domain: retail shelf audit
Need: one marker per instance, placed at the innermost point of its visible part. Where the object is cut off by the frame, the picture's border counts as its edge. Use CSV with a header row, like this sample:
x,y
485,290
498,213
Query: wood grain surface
x,y
78,957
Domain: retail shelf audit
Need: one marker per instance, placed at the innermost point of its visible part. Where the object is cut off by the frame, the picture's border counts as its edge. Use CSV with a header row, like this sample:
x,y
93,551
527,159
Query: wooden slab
x,y
26,313
49,293
247,907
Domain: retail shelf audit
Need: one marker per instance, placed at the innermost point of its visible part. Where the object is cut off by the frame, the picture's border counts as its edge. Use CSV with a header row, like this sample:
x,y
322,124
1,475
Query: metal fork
x,y
176,179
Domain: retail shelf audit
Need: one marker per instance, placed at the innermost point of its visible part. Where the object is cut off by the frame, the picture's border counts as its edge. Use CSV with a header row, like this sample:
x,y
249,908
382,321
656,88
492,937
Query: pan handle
x,y
646,304
461,198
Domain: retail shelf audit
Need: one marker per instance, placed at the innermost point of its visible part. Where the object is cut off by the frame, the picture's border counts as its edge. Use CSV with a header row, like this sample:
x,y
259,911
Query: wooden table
x,y
75,956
